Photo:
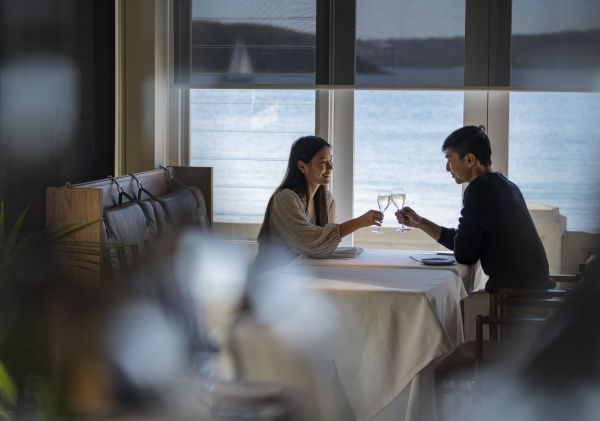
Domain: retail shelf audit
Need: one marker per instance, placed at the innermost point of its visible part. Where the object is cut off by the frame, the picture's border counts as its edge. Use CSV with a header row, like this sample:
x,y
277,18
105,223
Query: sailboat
x,y
240,66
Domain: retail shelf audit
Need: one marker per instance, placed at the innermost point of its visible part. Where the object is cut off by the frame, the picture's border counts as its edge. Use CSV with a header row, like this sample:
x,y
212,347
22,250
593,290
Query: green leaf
x,y
47,393
8,392
89,269
71,229
18,243
23,243
13,236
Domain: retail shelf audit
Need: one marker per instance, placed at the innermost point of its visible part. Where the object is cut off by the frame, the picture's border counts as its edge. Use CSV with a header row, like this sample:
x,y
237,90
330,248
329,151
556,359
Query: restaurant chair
x,y
567,280
514,317
524,303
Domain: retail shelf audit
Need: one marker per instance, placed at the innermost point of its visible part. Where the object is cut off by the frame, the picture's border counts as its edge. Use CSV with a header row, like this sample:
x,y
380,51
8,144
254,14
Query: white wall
x,y
143,67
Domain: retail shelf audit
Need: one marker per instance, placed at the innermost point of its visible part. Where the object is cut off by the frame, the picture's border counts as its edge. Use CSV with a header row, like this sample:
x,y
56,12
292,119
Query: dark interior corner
x,y
56,99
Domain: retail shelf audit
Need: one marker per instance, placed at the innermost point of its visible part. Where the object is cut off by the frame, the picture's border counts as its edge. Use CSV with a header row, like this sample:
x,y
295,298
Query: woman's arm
x,y
370,218
289,221
367,219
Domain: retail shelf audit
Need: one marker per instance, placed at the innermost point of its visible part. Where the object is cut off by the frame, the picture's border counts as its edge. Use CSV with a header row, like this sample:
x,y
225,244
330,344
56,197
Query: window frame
x,y
486,91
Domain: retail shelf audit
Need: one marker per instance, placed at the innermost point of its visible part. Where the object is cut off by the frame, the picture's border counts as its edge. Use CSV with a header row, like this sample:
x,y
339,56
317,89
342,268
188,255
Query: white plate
x,y
435,261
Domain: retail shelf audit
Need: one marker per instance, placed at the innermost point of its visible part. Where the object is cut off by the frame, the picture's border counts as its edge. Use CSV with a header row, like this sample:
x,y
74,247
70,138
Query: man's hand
x,y
412,219
409,217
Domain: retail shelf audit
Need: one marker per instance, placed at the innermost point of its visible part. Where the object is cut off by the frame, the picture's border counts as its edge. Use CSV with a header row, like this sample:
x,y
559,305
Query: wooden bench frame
x,y
82,203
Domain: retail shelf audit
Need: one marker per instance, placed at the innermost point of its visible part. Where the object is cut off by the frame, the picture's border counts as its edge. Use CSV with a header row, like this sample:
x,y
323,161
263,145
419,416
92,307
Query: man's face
x,y
458,167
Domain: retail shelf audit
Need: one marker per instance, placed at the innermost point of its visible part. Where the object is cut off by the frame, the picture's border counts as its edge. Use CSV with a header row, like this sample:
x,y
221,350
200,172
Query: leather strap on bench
x,y
141,190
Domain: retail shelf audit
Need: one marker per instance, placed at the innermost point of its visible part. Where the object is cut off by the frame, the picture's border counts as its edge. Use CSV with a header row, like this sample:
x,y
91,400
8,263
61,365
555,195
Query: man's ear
x,y
301,166
471,159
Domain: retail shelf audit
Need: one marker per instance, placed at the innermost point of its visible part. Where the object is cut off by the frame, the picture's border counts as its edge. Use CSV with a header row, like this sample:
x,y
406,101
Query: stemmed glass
x,y
383,201
398,199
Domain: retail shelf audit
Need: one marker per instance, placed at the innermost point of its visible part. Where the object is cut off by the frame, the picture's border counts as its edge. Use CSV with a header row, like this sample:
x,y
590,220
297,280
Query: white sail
x,y
240,63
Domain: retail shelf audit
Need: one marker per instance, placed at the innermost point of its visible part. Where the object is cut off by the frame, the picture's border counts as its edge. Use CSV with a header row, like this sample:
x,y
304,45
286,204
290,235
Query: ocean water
x,y
554,153
398,138
246,136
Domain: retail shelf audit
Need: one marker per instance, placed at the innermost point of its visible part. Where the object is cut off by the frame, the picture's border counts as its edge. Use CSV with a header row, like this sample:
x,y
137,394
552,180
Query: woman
x,y
300,216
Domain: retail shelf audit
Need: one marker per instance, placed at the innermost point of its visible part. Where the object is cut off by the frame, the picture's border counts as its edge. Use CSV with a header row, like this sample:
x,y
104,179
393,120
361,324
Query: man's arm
x,y
444,236
447,237
469,237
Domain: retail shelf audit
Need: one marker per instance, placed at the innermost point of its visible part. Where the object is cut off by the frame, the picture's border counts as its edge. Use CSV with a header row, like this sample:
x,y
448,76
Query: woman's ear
x,y
301,166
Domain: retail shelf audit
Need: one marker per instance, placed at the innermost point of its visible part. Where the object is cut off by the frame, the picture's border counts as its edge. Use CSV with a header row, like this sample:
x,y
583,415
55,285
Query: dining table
x,y
393,319
472,276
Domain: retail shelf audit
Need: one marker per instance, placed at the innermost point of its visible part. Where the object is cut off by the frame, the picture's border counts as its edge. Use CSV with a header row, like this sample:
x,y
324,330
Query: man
x,y
495,226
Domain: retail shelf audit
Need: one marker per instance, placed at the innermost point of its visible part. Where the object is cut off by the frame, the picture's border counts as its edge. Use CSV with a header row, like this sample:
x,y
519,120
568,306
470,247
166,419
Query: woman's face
x,y
318,170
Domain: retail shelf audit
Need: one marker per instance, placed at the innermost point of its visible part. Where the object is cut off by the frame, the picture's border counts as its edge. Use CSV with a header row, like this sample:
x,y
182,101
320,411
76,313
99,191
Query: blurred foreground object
x,y
557,376
135,345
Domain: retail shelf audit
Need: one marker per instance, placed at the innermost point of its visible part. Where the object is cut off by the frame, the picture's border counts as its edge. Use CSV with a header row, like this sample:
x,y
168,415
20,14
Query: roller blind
x,y
410,43
525,44
555,44
253,41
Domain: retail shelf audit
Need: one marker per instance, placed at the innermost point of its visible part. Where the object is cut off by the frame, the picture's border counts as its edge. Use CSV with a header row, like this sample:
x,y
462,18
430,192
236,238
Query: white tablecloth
x,y
393,317
472,276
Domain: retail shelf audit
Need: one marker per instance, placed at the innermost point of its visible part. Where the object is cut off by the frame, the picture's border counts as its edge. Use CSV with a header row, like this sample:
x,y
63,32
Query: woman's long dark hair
x,y
303,149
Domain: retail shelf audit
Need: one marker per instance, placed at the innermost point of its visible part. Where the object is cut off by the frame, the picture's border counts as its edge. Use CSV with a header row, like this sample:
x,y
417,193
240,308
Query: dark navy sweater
x,y
496,228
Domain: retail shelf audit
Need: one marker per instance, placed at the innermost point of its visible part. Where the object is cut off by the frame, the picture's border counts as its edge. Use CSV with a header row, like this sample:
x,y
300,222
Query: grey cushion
x,y
160,215
129,231
186,206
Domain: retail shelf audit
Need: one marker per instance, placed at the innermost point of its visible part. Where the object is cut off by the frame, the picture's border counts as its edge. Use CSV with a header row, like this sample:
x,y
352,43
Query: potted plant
x,y
29,271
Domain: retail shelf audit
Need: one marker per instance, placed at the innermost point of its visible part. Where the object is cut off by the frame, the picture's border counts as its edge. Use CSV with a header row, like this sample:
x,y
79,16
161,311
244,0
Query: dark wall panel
x,y
56,98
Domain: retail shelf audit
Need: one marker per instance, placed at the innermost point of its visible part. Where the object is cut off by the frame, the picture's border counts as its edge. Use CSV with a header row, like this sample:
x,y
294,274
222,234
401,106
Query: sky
x,y
380,19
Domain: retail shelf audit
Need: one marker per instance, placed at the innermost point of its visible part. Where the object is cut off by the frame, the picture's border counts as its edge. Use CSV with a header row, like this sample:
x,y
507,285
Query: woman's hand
x,y
369,218
372,217
408,217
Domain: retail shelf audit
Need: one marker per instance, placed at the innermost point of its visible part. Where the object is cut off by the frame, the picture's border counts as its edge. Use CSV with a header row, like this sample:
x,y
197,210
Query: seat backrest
x,y
523,303
129,231
515,333
131,228
507,298
184,206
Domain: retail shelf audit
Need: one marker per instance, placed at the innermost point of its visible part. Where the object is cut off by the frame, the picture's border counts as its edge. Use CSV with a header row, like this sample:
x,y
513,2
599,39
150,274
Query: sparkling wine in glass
x,y
383,201
398,199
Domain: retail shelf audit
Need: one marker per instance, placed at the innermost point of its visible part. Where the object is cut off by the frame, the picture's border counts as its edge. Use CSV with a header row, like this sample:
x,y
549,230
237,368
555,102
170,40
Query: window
x,y
246,135
399,135
554,148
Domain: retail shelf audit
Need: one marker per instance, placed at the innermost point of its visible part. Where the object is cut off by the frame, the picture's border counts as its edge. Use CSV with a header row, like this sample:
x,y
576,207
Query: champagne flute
x,y
383,201
398,199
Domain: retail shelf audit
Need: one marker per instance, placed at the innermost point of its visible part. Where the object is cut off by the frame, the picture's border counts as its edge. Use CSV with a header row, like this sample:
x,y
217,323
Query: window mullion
x,y
490,108
487,42
341,135
335,123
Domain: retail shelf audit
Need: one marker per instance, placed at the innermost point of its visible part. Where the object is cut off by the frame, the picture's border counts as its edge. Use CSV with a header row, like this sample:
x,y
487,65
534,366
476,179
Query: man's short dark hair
x,y
470,139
